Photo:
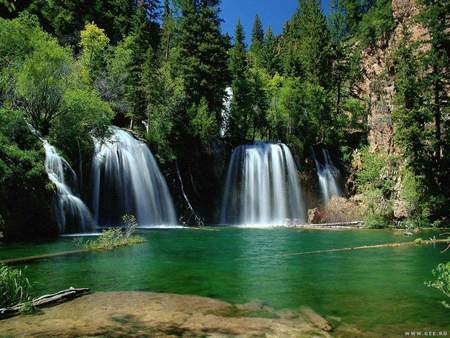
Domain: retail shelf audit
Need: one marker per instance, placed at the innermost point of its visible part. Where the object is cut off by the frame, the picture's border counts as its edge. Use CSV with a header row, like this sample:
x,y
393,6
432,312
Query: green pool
x,y
377,290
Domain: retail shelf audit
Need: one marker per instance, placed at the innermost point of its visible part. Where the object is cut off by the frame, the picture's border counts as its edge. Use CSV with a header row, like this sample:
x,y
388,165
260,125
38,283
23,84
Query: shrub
x,y
115,237
442,281
14,286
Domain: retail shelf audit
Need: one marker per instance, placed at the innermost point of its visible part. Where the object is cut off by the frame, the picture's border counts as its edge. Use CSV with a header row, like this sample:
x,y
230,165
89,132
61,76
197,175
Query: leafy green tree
x,y
83,114
94,45
41,82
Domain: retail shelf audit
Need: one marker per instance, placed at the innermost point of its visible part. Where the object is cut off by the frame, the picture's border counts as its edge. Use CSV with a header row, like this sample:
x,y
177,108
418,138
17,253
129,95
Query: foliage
x,y
442,281
377,24
15,288
83,114
22,175
116,237
375,181
93,43
27,308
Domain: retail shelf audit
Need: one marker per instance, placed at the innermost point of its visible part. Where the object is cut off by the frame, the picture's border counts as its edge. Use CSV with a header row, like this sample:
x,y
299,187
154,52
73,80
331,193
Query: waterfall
x,y
262,187
71,213
225,113
328,176
126,180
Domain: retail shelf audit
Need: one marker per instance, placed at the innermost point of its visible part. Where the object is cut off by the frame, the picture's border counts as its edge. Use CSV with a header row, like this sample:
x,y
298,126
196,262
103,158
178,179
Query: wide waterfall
x,y
262,187
71,213
328,176
127,180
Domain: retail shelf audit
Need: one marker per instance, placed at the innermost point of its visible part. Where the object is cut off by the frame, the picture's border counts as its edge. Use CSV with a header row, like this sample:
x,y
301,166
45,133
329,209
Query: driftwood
x,y
33,258
54,298
335,224
197,219
316,319
355,248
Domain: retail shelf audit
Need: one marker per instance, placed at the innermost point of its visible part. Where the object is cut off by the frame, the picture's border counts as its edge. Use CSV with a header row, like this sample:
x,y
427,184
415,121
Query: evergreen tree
x,y
436,60
314,47
241,105
145,39
167,31
257,42
410,116
201,57
270,59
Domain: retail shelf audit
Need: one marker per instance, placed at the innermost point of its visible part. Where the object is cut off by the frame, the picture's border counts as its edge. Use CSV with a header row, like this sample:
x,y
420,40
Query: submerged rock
x,y
145,314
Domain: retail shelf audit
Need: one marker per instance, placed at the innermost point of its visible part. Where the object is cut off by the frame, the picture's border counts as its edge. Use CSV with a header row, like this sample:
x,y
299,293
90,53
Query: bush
x,y
115,237
14,287
375,181
442,281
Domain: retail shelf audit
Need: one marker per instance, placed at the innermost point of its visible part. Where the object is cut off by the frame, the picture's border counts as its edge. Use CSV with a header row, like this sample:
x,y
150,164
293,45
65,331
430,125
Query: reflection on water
x,y
381,290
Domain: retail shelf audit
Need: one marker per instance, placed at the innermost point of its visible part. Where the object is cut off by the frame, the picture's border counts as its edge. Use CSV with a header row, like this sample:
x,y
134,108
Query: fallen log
x,y
335,224
316,319
19,260
45,300
355,248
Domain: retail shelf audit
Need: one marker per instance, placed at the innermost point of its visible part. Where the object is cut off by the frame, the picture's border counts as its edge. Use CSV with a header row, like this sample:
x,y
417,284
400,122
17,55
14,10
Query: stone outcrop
x,y
379,87
378,82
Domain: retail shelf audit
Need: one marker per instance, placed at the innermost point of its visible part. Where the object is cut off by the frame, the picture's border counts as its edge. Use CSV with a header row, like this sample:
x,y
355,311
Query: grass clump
x,y
116,237
14,287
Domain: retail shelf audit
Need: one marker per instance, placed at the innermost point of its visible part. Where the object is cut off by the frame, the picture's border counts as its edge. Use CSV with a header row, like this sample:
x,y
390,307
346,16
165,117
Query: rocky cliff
x,y
378,81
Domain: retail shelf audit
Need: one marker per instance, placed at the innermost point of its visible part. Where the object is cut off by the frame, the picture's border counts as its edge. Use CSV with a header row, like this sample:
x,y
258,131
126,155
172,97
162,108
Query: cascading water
x,y
127,180
262,187
72,214
328,176
225,114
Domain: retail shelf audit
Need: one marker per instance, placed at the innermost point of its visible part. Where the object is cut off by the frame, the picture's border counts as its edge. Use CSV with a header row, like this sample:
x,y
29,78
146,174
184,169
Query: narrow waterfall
x,y
225,114
328,176
127,180
72,214
262,187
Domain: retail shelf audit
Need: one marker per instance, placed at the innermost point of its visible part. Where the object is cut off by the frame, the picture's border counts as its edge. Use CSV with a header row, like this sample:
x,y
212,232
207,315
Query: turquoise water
x,y
377,290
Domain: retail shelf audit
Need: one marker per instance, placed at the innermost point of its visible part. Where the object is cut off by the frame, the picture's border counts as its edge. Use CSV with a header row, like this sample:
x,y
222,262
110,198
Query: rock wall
x,y
378,81
379,87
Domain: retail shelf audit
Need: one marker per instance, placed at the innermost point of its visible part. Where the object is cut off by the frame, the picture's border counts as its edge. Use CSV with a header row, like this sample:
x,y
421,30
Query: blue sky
x,y
272,13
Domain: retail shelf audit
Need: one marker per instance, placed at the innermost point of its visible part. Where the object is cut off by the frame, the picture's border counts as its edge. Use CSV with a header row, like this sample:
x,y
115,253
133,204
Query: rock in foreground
x,y
143,314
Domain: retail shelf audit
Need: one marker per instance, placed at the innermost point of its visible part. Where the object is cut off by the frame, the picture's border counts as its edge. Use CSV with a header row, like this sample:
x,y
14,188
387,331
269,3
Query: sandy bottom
x,y
145,314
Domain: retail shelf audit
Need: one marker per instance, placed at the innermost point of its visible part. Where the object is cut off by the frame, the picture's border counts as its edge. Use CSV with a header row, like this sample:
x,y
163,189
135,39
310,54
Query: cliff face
x,y
379,87
378,83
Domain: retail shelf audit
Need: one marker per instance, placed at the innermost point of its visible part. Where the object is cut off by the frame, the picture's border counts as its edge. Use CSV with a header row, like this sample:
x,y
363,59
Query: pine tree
x,y
436,60
410,116
270,59
202,57
167,31
314,47
241,116
257,41
145,36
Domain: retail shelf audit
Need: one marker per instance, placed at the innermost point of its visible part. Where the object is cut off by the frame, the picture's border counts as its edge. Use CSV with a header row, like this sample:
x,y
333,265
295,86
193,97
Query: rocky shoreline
x,y
147,314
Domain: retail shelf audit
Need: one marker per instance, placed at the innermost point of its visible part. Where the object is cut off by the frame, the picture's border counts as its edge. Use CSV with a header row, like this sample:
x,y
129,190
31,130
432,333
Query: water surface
x,y
377,290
